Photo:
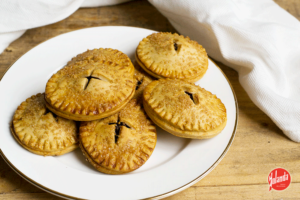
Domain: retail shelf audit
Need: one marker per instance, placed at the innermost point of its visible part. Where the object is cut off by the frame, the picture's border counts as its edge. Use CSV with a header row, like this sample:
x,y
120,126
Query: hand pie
x,y
167,55
93,85
39,131
184,109
120,143
142,80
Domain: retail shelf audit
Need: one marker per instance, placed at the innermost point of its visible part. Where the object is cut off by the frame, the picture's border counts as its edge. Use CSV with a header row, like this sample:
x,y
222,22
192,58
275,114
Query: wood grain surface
x,y
259,146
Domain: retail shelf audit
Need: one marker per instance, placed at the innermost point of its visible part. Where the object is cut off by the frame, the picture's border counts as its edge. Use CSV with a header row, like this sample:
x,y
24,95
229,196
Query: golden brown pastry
x,y
93,85
142,80
120,143
39,131
167,55
184,109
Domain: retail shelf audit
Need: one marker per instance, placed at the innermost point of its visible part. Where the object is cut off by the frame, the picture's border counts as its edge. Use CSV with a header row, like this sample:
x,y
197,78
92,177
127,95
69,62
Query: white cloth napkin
x,y
256,38
16,16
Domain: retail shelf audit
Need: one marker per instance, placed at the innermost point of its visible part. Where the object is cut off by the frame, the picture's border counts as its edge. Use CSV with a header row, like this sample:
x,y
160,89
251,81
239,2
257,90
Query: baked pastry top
x,y
142,80
41,132
167,55
93,85
120,143
184,109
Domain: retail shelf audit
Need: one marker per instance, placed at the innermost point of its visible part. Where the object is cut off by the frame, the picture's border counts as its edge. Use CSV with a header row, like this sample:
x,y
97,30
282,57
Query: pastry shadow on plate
x,y
168,145
168,138
80,157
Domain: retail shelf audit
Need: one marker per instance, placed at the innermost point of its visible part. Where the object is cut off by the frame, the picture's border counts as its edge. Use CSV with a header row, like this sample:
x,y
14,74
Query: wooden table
x,y
259,146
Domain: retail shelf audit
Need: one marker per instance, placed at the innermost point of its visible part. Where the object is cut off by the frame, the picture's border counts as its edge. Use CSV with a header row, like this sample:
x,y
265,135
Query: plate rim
x,y
172,192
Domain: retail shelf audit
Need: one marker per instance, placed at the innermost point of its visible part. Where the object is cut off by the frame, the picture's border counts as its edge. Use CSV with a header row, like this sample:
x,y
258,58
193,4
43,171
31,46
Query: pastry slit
x,y
124,124
46,111
117,133
139,83
54,115
191,96
89,79
118,128
177,46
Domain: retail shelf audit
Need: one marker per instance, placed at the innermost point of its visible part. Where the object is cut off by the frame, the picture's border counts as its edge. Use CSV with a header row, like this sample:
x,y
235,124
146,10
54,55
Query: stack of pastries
x,y
108,107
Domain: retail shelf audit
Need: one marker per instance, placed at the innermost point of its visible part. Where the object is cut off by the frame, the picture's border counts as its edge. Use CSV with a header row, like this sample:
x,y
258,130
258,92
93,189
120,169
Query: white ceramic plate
x,y
175,164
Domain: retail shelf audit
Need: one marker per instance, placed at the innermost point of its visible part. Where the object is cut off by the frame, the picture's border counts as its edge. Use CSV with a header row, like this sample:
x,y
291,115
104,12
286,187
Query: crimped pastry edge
x,y
179,133
76,117
42,153
96,165
190,79
172,129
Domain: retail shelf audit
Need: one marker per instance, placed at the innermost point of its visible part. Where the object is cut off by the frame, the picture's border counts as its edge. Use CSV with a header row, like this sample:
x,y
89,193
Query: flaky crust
x,y
142,79
167,55
37,130
93,85
119,149
184,109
